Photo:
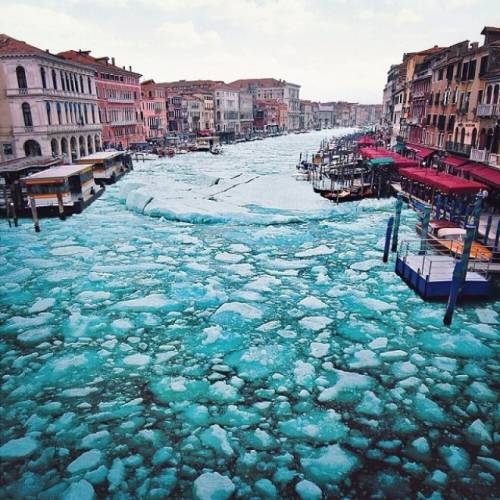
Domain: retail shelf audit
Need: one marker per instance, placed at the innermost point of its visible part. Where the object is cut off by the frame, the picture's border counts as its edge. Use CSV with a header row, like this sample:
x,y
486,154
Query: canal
x,y
210,314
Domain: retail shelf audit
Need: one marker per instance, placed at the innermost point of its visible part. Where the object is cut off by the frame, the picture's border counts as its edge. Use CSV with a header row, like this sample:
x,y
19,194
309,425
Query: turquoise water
x,y
268,343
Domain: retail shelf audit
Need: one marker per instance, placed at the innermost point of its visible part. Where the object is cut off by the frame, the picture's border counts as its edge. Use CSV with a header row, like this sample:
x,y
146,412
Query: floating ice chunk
x,y
437,479
456,458
212,486
93,296
35,336
116,474
307,490
221,392
263,283
479,391
397,355
239,248
377,305
490,463
81,490
71,251
19,323
464,345
319,350
317,426
230,310
370,405
78,392
488,316
429,412
122,325
212,334
162,456
364,358
99,439
87,460
329,465
42,305
266,488
179,388
18,448
312,303
347,387
304,373
137,360
378,343
150,303
478,434
403,369
258,362
366,265
230,258
315,323
216,438
314,252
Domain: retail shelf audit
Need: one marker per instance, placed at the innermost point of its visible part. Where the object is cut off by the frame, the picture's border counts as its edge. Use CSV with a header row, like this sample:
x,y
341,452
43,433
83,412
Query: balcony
x,y
60,93
480,155
456,147
485,110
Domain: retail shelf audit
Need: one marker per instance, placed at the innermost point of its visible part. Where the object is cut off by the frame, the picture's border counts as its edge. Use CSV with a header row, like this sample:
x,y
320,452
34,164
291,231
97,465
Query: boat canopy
x,y
366,140
381,160
420,151
398,160
454,161
443,182
451,233
482,173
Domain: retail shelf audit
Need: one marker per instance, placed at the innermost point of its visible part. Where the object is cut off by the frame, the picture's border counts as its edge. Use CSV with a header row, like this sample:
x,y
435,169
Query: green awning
x,y
381,160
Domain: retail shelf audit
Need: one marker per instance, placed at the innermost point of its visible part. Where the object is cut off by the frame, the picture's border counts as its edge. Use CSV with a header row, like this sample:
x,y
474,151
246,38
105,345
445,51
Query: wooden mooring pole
x,y
34,214
60,206
388,234
397,220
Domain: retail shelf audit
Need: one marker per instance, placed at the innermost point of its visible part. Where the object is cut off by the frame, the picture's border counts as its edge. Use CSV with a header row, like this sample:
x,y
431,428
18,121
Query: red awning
x,y
421,151
454,161
366,140
483,173
444,182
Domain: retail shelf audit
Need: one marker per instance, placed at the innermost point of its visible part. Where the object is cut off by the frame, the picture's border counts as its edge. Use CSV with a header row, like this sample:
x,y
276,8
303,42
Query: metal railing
x,y
487,110
479,155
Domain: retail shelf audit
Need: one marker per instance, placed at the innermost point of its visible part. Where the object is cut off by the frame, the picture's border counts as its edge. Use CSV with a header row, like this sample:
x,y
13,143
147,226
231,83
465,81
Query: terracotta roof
x,y
11,46
84,57
259,82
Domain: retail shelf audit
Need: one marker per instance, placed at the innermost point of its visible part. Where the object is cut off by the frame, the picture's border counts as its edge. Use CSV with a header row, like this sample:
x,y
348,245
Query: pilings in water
x,y
34,214
388,234
426,217
397,220
60,206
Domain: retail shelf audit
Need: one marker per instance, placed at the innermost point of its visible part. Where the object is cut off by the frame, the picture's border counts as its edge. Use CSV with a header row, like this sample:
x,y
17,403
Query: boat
x,y
181,151
216,149
301,176
107,166
448,237
143,156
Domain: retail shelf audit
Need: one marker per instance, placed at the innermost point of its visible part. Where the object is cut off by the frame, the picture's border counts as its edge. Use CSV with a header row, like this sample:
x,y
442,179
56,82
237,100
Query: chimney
x,y
130,68
113,61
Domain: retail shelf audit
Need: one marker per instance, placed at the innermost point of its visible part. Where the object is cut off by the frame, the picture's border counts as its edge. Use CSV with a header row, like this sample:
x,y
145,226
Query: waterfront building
x,y
270,115
246,112
176,113
368,114
306,121
48,105
326,114
154,110
190,87
227,111
194,110
271,88
207,112
119,98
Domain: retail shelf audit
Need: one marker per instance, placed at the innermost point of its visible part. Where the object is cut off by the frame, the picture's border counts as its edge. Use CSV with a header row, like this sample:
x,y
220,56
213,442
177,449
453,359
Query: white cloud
x,y
184,35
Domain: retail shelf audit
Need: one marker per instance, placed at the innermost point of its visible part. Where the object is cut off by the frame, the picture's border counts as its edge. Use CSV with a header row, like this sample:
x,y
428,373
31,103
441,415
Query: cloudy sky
x,y
336,49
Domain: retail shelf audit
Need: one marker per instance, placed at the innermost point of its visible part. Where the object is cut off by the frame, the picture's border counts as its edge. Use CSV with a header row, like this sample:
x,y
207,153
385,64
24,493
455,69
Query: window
x,y
455,95
434,120
44,80
459,70
21,78
89,84
465,71
85,113
54,79
472,70
449,72
436,99
72,82
81,85
7,149
28,122
440,74
451,123
483,65
480,97
49,114
93,113
68,86
58,111
441,122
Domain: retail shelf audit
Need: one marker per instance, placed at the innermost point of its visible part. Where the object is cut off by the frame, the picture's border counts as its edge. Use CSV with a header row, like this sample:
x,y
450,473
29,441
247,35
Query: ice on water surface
x,y
212,328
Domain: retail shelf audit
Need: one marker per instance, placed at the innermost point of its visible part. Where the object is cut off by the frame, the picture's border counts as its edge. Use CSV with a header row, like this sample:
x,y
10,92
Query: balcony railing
x,y
457,147
34,91
487,110
479,155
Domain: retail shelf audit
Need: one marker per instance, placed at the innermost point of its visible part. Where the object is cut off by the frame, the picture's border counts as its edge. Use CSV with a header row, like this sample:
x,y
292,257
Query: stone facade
x,y
227,110
48,106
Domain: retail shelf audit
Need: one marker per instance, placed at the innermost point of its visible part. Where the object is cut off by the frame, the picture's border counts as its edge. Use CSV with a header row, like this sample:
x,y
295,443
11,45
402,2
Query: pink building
x,y
154,110
119,98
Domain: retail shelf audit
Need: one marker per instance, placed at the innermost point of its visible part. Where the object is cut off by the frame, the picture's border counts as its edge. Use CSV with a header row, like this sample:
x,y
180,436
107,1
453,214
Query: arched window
x,y
72,82
32,148
489,139
68,87
63,82
462,136
44,80
495,94
28,122
58,110
74,78
66,112
474,137
85,113
81,85
488,94
89,83
92,108
456,134
21,78
54,79
49,114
